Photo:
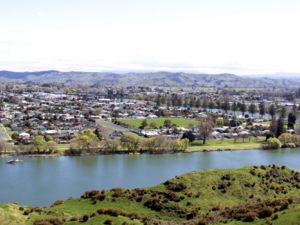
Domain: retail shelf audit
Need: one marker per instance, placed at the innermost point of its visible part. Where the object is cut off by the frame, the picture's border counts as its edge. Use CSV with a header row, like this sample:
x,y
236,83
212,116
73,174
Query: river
x,y
42,180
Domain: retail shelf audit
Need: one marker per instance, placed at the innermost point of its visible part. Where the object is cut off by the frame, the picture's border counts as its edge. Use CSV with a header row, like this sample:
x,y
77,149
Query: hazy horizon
x,y
270,75
218,36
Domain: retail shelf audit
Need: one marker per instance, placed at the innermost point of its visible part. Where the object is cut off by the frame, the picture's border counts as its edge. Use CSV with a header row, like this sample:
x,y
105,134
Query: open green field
x,y
227,144
180,122
250,195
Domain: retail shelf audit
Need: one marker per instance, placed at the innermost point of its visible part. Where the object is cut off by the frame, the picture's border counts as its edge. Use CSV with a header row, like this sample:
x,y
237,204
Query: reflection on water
x,y
42,180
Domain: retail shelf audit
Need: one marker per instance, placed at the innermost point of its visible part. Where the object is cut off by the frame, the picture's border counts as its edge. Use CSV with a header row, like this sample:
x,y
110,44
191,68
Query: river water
x,y
43,180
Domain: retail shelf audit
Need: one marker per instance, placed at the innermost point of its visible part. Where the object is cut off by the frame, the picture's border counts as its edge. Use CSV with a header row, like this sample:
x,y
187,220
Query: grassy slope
x,y
205,193
180,122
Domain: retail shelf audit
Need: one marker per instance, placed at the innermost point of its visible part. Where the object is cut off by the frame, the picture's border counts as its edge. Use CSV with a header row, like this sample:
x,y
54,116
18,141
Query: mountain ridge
x,y
161,79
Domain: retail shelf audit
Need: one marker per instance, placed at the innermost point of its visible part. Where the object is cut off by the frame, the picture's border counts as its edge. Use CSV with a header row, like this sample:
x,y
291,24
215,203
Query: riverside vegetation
x,y
251,195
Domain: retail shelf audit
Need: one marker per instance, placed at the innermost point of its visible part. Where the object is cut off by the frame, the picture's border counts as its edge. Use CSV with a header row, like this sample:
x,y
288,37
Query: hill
x,y
250,195
161,79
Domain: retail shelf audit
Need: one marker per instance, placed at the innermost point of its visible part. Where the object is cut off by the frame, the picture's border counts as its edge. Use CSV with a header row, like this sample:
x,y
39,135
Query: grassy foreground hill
x,y
250,195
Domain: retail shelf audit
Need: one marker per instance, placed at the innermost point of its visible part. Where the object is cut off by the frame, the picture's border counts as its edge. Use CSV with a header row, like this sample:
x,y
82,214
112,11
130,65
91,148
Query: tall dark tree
x,y
272,110
226,105
144,124
291,120
234,107
252,108
198,103
243,108
189,135
280,127
158,100
262,109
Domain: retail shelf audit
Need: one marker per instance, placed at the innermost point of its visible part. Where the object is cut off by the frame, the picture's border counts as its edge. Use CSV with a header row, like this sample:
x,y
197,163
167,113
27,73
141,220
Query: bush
x,y
273,143
265,212
57,203
48,222
286,138
84,218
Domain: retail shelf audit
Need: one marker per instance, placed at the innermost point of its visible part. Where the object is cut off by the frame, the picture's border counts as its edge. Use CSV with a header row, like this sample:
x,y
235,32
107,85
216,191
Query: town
x,y
58,119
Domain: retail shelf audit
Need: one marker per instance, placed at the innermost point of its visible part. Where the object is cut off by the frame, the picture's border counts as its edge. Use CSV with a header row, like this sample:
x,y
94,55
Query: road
x,y
111,126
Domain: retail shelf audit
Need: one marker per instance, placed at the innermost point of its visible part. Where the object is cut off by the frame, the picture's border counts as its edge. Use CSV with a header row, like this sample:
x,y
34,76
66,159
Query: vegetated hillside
x,y
250,195
163,79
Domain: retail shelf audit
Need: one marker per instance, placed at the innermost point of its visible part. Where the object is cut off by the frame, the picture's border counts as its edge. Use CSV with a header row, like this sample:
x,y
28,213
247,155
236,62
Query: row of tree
x,y
205,103
90,141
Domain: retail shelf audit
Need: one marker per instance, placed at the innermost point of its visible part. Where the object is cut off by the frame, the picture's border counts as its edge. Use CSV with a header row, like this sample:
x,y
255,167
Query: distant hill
x,y
162,79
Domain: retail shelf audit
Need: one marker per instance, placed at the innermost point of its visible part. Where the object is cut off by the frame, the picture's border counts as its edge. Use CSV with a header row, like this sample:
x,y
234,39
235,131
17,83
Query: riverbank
x,y
211,145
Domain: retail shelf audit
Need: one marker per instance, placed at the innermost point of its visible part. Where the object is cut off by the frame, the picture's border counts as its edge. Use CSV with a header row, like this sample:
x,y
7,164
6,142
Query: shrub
x,y
265,212
84,218
154,204
57,203
273,143
286,138
108,221
177,187
48,222
249,217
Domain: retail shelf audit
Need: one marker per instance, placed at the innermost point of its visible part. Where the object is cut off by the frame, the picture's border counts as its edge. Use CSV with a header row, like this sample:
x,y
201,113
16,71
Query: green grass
x,y
180,122
63,147
207,194
227,144
10,215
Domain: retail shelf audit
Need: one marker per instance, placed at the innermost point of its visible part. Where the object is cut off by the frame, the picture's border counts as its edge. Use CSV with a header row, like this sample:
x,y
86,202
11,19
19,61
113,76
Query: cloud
x,y
40,14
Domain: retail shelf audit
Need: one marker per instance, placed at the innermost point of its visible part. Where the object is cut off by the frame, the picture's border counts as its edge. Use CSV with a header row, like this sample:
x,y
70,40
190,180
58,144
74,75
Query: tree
x,y
243,108
189,135
273,143
52,146
273,126
130,142
144,124
86,140
226,105
168,123
233,122
252,108
280,127
158,100
286,138
153,125
262,109
220,121
272,110
291,120
39,143
205,127
234,107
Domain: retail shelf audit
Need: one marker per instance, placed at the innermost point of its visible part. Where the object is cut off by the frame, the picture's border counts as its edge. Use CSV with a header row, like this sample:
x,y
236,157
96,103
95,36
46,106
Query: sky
x,y
212,36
